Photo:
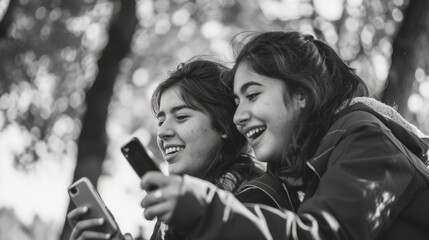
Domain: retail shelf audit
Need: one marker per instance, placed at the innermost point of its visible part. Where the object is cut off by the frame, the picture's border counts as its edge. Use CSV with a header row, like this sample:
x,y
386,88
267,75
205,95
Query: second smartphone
x,y
139,157
83,193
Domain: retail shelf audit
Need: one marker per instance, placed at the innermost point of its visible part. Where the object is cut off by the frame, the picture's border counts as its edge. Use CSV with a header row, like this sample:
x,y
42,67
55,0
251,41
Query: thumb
x,y
128,236
153,180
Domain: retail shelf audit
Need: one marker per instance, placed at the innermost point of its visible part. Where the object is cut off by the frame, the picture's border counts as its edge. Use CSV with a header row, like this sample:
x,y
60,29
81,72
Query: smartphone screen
x,y
83,193
139,157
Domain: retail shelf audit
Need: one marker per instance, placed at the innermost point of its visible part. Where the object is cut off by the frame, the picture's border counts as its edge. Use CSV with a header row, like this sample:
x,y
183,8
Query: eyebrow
x,y
173,110
246,86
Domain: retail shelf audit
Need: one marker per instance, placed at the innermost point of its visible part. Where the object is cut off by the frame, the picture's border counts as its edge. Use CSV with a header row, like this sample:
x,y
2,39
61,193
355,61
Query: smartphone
x,y
83,193
139,157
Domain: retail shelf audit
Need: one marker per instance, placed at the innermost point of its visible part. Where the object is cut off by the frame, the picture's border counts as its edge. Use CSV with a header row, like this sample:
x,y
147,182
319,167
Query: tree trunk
x,y
5,23
92,142
410,51
7,19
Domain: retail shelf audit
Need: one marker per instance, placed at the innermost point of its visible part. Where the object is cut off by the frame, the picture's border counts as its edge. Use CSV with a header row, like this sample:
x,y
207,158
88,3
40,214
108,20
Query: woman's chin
x,y
265,156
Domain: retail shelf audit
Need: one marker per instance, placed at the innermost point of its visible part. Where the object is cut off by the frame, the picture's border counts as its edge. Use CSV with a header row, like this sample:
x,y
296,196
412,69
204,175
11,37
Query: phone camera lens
x,y
73,190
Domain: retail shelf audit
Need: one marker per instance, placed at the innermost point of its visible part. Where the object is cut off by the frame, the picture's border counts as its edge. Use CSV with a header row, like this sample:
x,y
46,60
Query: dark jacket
x,y
269,190
370,182
264,189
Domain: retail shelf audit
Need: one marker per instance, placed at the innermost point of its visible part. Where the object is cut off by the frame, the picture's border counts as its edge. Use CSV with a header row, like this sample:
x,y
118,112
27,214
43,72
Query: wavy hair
x,y
306,65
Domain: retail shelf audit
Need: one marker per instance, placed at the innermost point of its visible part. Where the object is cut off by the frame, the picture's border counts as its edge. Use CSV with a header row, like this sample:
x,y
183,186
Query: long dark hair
x,y
305,65
201,88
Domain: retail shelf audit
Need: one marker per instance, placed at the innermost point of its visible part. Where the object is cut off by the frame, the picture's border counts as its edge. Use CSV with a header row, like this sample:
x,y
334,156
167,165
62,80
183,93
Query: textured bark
x,y
92,142
410,51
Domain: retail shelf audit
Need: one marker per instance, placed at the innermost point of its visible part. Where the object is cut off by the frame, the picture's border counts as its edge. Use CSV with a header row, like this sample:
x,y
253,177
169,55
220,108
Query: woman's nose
x,y
241,116
165,131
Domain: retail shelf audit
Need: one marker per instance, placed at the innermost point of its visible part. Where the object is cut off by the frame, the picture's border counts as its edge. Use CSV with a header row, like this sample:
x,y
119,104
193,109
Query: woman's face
x,y
186,137
261,115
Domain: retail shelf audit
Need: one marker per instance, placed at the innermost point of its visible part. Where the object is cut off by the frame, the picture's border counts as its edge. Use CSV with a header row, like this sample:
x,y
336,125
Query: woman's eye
x,y
252,96
181,117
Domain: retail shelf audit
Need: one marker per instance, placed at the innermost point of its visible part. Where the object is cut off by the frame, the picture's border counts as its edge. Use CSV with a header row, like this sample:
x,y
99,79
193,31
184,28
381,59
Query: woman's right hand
x,y
81,227
161,202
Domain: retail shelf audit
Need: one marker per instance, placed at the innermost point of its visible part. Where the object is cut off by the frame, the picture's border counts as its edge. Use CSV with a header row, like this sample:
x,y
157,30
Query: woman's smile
x,y
172,153
254,133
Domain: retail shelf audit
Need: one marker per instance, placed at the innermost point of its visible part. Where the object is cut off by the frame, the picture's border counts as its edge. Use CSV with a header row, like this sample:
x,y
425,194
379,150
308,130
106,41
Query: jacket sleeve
x,y
366,185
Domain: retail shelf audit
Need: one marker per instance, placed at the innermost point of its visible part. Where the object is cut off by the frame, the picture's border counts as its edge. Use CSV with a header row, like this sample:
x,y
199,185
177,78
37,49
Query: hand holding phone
x,y
83,193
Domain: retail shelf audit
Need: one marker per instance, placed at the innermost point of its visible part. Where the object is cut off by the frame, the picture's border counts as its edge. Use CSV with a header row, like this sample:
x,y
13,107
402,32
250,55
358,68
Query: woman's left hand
x,y
162,201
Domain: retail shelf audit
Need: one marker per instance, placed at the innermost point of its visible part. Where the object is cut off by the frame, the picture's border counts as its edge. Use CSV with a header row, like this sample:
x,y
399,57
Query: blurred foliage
x,y
46,66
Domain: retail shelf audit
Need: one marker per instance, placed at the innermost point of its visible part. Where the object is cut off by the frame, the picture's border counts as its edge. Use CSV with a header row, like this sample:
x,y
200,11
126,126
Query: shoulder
x,y
352,132
356,118
358,122
354,129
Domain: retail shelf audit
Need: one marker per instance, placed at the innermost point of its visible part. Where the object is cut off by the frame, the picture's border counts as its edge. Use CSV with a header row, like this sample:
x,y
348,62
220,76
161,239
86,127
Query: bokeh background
x,y
76,77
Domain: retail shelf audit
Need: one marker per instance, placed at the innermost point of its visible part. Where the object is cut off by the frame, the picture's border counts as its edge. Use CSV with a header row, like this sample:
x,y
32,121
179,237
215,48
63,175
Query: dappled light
x,y
415,103
424,88
381,210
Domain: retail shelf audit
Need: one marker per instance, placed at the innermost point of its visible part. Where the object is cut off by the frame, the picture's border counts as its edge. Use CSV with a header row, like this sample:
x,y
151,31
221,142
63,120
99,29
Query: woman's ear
x,y
300,99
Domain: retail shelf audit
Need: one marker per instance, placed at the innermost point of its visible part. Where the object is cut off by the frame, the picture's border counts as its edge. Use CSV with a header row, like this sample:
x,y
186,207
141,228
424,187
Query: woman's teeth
x,y
171,150
255,132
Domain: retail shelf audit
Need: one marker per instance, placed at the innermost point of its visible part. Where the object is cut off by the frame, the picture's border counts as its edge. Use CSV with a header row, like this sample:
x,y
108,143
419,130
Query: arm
x,y
209,211
363,190
255,195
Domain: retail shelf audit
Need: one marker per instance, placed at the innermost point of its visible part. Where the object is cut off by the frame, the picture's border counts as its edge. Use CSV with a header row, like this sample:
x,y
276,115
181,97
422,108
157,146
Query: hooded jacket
x,y
370,181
